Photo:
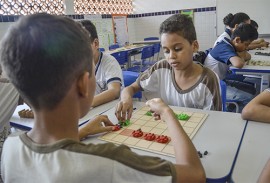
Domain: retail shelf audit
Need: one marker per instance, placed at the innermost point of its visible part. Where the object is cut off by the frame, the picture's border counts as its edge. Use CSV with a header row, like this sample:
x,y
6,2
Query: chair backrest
x,y
121,57
151,38
156,48
113,46
147,52
101,49
223,88
129,78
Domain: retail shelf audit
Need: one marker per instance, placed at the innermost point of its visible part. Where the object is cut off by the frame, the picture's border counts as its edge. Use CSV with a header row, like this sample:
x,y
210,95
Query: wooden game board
x,y
148,125
258,63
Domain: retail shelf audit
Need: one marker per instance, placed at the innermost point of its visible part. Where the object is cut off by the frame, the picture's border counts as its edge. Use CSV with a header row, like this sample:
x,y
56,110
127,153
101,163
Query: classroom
x,y
142,90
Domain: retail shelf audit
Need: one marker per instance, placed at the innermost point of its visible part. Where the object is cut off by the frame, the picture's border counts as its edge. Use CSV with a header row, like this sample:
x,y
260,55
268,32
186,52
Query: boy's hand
x,y
123,110
159,108
97,125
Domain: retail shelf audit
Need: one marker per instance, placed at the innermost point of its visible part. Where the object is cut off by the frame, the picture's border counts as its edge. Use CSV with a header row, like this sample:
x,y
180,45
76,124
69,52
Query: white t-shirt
x,y
107,71
8,102
159,81
70,161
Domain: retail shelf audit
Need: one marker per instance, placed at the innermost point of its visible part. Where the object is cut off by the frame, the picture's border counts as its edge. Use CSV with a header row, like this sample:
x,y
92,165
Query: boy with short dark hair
x,y
49,61
108,73
226,52
176,79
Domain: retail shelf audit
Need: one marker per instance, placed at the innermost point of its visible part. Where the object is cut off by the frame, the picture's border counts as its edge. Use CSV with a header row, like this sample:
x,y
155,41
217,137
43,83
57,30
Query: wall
x,y
147,6
143,25
146,25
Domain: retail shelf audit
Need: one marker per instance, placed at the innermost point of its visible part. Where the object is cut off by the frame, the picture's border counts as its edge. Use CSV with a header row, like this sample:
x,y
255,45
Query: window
x,y
25,7
103,6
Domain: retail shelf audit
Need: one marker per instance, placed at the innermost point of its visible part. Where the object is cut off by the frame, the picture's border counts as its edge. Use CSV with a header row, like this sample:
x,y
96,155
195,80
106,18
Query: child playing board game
x,y
177,79
108,73
49,61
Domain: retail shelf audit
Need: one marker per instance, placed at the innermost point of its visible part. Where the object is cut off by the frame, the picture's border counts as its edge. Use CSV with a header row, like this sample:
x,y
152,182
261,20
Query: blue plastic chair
x,y
129,78
114,46
151,38
143,64
223,87
101,49
122,58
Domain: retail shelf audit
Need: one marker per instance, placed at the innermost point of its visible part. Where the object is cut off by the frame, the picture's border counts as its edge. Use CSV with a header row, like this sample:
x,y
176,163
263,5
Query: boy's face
x,y
177,50
240,45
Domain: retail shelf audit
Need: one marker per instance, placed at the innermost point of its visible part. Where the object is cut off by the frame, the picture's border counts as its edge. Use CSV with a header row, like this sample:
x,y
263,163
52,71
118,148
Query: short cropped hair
x,y
254,24
246,32
43,55
181,25
231,20
90,27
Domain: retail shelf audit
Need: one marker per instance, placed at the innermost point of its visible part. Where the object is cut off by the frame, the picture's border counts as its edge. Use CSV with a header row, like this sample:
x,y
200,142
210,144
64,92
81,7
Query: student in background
x,y
176,79
229,52
258,109
231,22
109,77
259,43
9,98
51,151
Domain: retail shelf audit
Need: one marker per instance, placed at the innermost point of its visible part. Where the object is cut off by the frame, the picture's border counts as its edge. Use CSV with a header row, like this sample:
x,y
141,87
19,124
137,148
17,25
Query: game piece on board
x,y
116,127
200,154
148,113
148,125
149,136
182,116
124,123
205,152
162,139
26,113
137,133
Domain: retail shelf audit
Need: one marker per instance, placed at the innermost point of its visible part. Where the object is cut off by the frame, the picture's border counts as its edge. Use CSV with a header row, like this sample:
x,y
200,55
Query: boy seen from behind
x,y
49,61
177,80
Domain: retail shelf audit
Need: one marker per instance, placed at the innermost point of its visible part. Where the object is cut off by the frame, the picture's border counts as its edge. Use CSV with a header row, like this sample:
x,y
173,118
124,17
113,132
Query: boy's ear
x,y
195,46
82,84
237,40
96,43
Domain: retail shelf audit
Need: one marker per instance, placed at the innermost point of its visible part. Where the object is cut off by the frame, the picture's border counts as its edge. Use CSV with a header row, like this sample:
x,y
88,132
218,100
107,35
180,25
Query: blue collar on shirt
x,y
99,62
228,31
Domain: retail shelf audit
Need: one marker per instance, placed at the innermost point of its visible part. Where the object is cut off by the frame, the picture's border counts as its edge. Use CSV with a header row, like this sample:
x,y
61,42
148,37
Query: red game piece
x,y
162,139
149,136
116,128
137,133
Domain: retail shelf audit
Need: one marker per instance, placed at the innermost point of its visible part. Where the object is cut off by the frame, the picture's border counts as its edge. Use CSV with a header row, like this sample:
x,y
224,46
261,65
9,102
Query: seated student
x,y
9,98
109,77
176,79
230,52
226,52
259,43
60,89
258,109
231,22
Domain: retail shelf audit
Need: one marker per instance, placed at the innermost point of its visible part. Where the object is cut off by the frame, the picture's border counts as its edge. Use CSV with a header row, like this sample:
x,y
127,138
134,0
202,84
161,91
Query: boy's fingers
x,y
107,129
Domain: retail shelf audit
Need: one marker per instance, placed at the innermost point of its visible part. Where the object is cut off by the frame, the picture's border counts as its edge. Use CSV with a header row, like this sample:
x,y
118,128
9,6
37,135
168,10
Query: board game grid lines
x,y
148,124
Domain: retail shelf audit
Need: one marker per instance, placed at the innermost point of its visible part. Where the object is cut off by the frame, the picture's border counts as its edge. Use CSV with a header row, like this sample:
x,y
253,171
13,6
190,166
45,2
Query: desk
x,y
253,154
27,124
220,135
262,71
132,50
147,42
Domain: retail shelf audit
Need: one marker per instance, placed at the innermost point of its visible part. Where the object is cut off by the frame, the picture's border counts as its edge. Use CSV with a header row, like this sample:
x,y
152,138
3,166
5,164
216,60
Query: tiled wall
x,y
147,24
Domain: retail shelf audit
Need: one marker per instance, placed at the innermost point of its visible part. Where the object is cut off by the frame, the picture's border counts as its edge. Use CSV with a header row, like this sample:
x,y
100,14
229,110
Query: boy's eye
x,y
177,49
166,51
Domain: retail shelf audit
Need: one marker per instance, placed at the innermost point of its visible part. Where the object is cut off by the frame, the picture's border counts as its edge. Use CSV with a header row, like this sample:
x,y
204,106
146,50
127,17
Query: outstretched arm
x,y
265,175
188,165
124,108
258,109
112,93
